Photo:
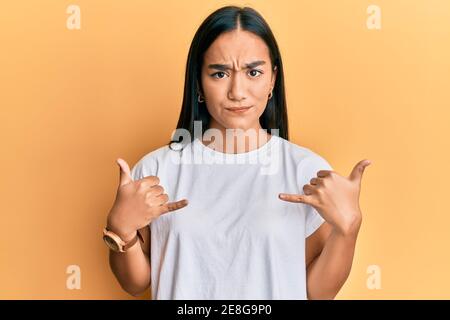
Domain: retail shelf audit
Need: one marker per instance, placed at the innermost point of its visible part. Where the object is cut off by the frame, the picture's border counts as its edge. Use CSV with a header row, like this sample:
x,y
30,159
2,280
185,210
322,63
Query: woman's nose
x,y
237,90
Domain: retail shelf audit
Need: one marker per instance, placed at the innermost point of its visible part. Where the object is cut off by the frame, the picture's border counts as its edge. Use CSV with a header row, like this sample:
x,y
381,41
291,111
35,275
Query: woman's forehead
x,y
238,48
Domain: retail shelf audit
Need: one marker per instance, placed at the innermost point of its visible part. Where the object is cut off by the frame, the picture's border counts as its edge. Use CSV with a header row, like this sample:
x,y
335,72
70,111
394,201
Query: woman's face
x,y
236,73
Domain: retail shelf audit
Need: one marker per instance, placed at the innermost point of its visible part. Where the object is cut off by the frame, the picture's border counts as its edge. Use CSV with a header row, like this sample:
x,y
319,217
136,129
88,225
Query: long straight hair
x,y
223,20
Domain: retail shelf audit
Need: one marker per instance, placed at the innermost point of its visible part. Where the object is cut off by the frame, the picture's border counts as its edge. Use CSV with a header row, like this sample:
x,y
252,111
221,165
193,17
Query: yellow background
x,y
73,101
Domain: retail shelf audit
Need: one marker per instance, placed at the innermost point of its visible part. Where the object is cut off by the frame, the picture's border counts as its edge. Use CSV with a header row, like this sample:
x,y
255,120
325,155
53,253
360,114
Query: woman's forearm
x,y
328,272
132,269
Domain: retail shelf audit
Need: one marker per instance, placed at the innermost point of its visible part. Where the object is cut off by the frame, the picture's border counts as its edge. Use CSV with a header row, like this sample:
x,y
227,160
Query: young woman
x,y
259,217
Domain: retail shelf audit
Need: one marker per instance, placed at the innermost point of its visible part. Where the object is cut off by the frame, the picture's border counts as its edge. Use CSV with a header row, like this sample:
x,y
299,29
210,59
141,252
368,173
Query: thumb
x,y
125,174
358,170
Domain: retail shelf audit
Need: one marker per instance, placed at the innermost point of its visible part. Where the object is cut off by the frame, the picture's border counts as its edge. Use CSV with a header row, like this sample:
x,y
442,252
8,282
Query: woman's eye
x,y
255,73
218,75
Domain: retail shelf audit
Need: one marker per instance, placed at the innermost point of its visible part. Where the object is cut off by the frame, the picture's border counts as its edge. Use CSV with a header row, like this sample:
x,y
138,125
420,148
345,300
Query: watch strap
x,y
124,246
131,243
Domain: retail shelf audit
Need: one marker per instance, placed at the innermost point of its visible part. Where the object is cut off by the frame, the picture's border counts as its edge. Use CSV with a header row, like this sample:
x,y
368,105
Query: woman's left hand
x,y
335,197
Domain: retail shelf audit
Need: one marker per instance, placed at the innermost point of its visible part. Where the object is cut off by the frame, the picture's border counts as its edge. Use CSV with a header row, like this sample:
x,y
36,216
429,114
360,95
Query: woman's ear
x,y
199,91
274,76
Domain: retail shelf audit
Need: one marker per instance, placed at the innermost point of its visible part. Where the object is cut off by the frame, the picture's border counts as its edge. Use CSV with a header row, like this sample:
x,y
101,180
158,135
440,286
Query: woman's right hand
x,y
138,203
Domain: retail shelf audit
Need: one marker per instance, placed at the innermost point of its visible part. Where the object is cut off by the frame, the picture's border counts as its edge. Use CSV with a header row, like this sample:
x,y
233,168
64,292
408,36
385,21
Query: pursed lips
x,y
238,108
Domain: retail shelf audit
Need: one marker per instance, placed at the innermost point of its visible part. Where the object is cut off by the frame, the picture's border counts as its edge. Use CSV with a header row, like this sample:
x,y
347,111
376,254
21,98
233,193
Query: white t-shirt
x,y
235,239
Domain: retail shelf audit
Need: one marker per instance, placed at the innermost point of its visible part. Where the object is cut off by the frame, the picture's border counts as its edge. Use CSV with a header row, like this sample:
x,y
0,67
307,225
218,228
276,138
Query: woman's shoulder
x,y
155,154
304,156
149,162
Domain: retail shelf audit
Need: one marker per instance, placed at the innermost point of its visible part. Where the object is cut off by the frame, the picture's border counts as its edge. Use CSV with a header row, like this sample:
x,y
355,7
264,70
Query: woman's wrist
x,y
126,236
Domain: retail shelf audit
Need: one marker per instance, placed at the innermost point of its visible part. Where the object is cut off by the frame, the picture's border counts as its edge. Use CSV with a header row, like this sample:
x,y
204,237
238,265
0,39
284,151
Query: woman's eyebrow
x,y
225,67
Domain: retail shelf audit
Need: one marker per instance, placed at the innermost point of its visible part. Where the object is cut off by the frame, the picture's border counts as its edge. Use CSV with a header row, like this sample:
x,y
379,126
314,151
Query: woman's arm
x,y
336,199
328,270
132,268
137,204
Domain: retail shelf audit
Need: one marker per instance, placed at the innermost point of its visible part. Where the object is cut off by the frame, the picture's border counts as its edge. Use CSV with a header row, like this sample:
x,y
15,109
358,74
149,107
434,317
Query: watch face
x,y
111,243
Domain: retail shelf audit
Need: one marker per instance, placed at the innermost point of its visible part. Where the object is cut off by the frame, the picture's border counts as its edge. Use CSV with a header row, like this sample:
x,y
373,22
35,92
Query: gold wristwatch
x,y
115,243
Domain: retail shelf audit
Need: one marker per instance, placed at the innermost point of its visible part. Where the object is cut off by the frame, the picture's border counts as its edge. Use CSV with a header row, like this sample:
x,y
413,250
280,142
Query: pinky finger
x,y
172,206
177,205
296,198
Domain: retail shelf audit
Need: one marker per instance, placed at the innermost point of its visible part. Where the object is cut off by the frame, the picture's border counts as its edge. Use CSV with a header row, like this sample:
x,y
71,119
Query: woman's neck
x,y
229,140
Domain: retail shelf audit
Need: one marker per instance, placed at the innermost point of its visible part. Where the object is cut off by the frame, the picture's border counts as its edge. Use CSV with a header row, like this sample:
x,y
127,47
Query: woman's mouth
x,y
239,109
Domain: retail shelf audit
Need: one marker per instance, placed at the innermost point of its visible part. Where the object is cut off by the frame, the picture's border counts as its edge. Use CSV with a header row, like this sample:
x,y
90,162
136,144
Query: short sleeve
x,y
307,169
137,171
143,168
